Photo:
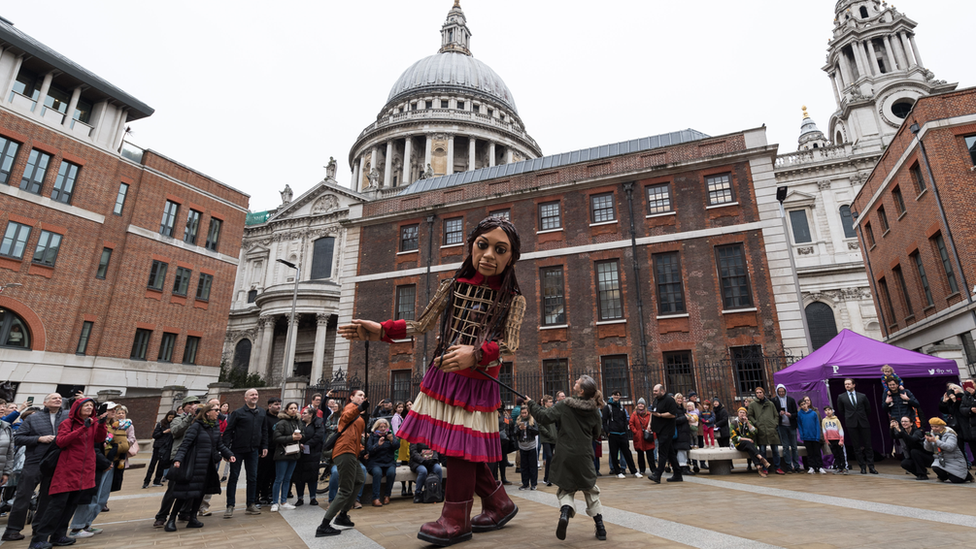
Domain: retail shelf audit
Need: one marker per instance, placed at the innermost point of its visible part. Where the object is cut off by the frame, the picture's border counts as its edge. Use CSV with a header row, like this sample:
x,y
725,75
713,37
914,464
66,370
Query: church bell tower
x,y
876,73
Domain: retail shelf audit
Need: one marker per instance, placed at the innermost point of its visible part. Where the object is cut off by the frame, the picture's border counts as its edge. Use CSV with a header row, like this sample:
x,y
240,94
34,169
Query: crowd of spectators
x,y
76,451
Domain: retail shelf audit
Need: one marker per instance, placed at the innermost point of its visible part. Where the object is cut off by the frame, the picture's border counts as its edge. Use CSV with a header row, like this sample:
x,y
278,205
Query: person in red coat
x,y
75,472
640,421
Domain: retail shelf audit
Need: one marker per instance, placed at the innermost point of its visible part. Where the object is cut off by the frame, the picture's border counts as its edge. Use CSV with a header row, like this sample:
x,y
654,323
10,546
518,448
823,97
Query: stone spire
x,y
810,135
455,36
876,73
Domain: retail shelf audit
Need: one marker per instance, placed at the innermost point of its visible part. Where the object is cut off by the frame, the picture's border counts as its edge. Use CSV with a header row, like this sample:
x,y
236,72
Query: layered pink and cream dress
x,y
456,413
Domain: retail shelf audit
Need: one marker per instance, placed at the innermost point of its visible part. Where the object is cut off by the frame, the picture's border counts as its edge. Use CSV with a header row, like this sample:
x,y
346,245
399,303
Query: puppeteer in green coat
x,y
572,461
579,424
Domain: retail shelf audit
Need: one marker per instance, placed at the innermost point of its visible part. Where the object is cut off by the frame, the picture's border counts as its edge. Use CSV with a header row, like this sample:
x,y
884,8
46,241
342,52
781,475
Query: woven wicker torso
x,y
469,315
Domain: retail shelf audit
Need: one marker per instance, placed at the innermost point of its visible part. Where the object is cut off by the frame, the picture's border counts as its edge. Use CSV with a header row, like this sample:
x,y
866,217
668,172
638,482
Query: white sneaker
x,y
638,475
621,475
81,534
274,507
287,505
811,471
822,471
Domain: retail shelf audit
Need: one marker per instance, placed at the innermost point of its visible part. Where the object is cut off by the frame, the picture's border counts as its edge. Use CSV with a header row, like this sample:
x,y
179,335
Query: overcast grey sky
x,y
259,94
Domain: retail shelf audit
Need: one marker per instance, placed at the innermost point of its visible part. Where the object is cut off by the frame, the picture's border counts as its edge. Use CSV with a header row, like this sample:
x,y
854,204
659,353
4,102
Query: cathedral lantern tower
x,y
447,113
810,135
876,73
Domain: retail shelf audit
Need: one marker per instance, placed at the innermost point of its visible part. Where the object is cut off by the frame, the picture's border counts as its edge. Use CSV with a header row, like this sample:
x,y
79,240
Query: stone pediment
x,y
797,199
325,197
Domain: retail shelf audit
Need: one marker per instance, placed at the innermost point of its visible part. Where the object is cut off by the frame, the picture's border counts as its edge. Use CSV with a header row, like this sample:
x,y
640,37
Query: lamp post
x,y
292,333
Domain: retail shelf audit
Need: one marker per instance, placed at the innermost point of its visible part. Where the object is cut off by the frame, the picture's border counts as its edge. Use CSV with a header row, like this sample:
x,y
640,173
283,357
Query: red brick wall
x,y
956,183
142,412
707,332
63,297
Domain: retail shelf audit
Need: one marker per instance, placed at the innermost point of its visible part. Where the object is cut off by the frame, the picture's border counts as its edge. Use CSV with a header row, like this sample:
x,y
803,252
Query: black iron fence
x,y
730,379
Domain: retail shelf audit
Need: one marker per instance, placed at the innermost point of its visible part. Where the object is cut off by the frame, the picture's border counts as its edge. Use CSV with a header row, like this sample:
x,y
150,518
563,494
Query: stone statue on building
x,y
374,178
330,169
286,194
428,173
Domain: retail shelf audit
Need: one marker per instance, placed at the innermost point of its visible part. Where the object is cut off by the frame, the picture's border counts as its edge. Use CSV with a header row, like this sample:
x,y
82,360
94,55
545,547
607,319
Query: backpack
x,y
433,490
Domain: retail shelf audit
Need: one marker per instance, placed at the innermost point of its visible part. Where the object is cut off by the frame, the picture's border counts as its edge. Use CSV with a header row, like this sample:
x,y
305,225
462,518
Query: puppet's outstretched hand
x,y
361,330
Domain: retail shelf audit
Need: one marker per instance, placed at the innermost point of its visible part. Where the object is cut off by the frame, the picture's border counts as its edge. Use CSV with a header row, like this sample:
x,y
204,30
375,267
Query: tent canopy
x,y
852,355
849,355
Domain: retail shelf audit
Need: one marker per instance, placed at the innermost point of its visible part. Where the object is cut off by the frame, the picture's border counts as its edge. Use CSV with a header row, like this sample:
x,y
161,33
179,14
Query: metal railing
x,y
730,379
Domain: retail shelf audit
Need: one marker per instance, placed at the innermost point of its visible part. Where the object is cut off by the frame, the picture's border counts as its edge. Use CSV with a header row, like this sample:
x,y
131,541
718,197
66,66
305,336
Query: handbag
x,y
334,437
648,436
183,473
294,448
50,460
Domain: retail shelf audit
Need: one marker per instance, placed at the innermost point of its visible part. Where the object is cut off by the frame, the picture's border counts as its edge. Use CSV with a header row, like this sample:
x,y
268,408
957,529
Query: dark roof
x,y
554,161
12,36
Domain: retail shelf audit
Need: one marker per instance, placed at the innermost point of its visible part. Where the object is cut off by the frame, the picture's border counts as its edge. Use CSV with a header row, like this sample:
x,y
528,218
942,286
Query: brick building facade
x,y
692,283
915,219
125,258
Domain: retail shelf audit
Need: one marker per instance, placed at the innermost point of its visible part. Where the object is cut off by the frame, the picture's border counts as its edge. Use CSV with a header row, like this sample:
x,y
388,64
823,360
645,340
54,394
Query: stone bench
x,y
720,459
403,474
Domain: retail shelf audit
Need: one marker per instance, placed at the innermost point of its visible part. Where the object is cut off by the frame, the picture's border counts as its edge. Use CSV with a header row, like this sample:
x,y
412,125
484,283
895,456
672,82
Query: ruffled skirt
x,y
456,416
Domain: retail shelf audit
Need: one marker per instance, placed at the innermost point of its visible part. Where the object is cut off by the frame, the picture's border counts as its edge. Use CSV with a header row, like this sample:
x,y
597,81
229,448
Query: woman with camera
x,y
950,463
382,448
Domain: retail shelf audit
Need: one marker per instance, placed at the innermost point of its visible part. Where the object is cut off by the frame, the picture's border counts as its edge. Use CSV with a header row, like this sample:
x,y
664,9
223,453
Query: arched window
x,y
820,320
14,332
847,220
864,12
242,356
322,252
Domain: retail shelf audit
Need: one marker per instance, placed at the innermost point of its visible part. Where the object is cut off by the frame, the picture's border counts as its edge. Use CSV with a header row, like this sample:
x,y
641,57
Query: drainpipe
x,y
629,189
430,253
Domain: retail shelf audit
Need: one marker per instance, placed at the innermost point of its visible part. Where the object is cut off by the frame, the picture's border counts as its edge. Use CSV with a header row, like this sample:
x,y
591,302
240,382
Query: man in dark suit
x,y
853,407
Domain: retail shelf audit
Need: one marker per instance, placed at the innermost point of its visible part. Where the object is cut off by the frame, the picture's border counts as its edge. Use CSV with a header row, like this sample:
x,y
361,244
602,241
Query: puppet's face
x,y
491,252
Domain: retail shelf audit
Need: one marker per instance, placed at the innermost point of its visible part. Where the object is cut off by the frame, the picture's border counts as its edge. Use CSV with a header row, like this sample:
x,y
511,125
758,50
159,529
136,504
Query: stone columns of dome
x,y
428,149
491,153
373,163
909,51
388,168
450,155
890,52
407,153
472,143
72,105
318,352
359,172
911,39
873,57
509,157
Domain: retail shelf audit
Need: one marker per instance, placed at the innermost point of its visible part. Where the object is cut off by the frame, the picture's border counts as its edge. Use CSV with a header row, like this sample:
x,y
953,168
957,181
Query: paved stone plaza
x,y
741,510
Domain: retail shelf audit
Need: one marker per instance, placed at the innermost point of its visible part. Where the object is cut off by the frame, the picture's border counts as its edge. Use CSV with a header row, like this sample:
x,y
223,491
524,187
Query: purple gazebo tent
x,y
849,355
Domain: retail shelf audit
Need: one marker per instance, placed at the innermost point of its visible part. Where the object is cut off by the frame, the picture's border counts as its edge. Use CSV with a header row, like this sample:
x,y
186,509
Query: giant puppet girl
x,y
480,310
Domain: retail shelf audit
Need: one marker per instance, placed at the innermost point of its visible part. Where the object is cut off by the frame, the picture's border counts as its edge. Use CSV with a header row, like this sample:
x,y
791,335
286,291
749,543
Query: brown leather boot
x,y
454,526
496,510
